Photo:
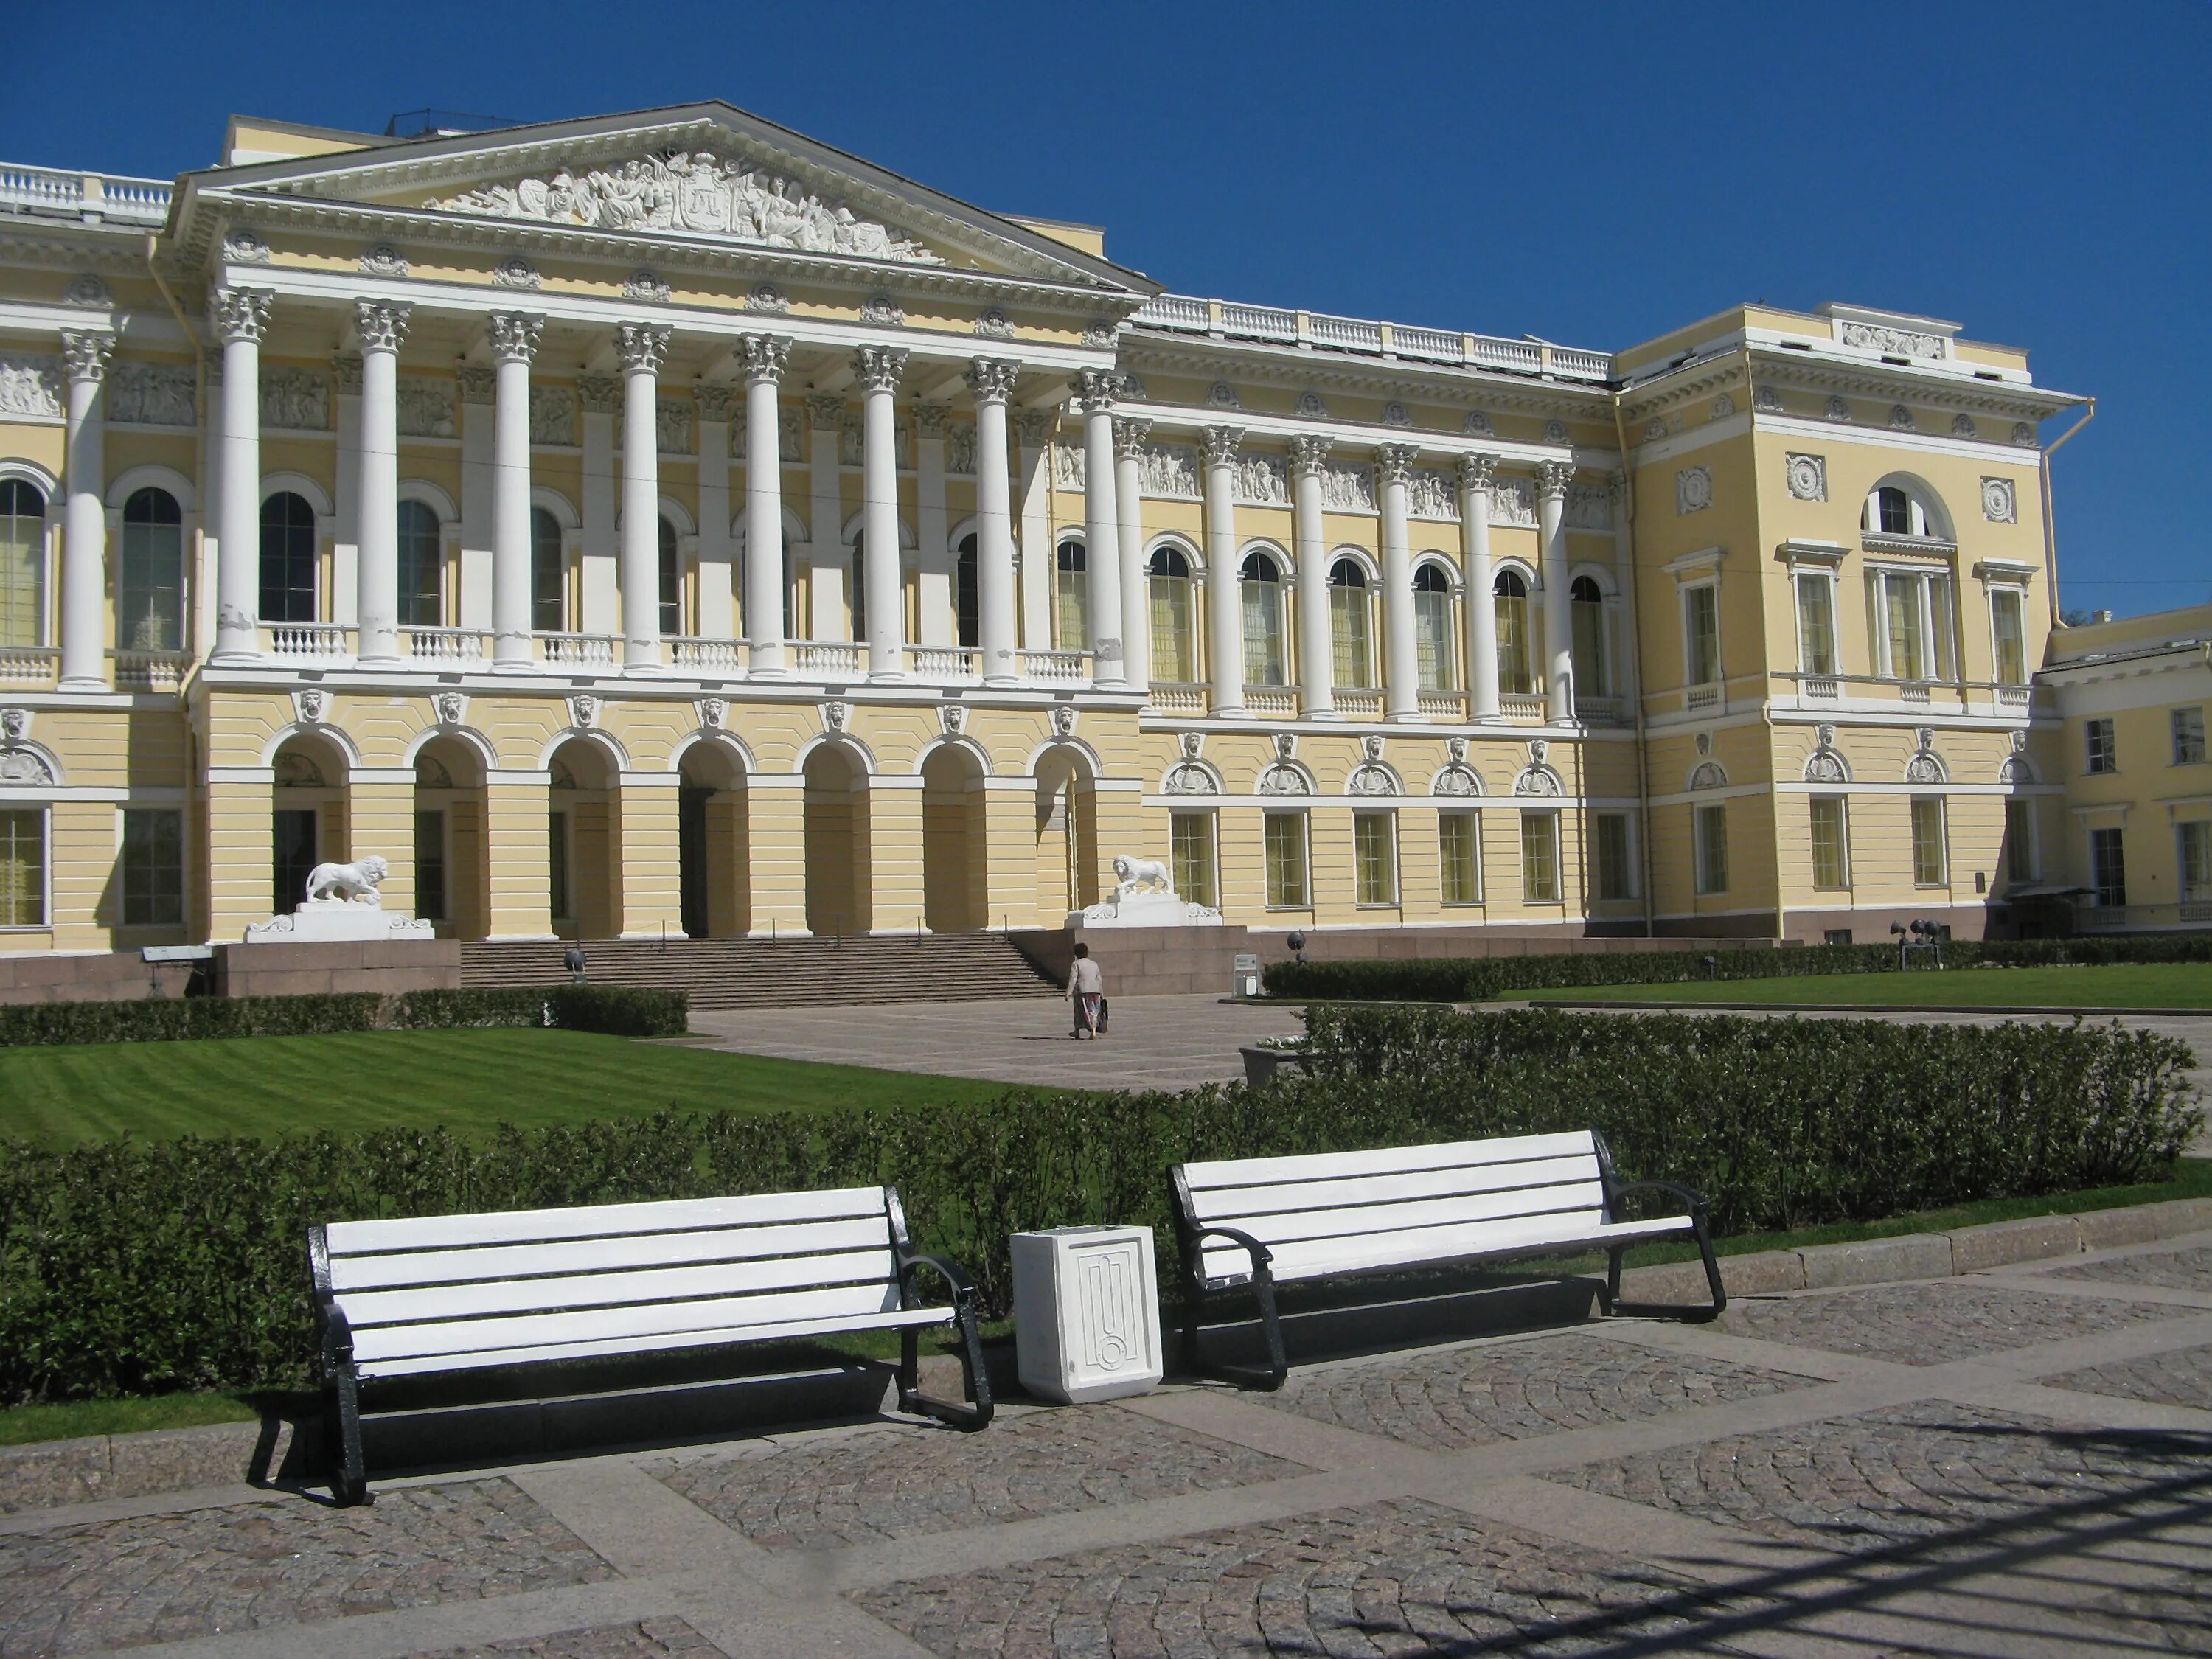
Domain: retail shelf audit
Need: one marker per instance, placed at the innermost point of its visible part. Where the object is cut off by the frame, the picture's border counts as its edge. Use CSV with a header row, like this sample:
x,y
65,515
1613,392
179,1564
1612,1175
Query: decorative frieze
x,y
1347,487
1263,480
1069,469
552,416
1962,426
1897,341
1808,475
1430,494
647,285
1478,425
1999,504
426,407
478,385
672,419
1513,504
1171,472
517,272
1589,506
960,448
384,260
87,290
152,394
1694,489
295,400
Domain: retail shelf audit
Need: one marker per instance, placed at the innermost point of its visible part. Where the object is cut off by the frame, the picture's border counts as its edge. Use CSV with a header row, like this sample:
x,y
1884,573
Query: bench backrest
x,y
773,1258
1395,1204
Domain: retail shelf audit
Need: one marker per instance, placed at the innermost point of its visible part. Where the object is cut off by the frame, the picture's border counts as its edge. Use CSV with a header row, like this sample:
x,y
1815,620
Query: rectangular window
x,y
1712,849
1285,835
1616,869
1701,623
430,865
1816,624
1375,857
152,867
556,865
2020,840
1515,672
2196,849
1190,852
22,564
2104,751
1173,660
22,866
2108,866
2188,735
2011,634
1942,628
1540,858
1905,616
1931,858
1459,856
1830,843
293,856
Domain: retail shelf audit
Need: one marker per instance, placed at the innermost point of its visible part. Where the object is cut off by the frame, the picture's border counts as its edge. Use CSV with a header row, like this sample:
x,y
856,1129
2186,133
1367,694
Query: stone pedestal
x,y
339,923
1151,910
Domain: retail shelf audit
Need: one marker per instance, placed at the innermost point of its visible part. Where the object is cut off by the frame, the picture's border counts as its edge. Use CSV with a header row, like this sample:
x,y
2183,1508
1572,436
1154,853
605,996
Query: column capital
x,y
825,410
879,367
1309,452
86,352
1096,389
382,324
641,347
1553,478
1221,444
241,313
767,356
932,419
992,379
1394,462
479,384
1032,426
1477,471
514,335
714,399
1129,437
345,370
602,394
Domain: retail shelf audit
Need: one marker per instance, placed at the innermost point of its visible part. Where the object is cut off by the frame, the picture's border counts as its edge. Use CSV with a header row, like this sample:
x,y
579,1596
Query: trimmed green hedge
x,y
132,1268
618,1010
1481,979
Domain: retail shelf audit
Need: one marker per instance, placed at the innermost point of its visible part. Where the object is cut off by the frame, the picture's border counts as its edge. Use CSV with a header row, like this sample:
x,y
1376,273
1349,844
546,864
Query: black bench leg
x,y
349,1478
975,1415
1713,1268
1277,1368
1612,1279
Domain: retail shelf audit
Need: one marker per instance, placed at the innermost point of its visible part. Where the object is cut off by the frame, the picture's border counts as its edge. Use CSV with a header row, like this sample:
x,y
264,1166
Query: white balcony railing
x,y
310,641
1188,314
28,665
1056,667
1913,691
1523,707
83,195
458,645
150,671
827,657
1178,697
1601,711
715,656
1359,703
2013,696
577,650
946,662
1278,699
1823,686
1698,698
1448,705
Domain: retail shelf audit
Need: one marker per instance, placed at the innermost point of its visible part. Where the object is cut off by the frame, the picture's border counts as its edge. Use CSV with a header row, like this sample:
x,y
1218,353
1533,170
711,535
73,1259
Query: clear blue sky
x,y
1592,173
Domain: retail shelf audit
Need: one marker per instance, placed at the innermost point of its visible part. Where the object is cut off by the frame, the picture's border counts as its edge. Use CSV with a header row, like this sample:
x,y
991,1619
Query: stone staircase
x,y
790,973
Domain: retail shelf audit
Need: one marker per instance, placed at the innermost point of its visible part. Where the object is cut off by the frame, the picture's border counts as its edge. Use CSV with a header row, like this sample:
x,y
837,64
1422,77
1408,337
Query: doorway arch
x,y
309,819
955,842
1066,830
581,832
452,872
836,841
716,898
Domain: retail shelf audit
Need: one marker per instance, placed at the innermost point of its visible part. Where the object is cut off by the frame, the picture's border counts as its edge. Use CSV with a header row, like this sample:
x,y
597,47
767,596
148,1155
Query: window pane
x,y
672,581
152,867
1172,649
1589,642
1075,597
1930,860
2108,866
1432,641
430,865
1513,665
1615,874
22,866
1190,851
1286,860
549,587
1540,857
1831,864
148,600
1458,841
22,563
1263,622
2188,735
2104,755
1712,849
1705,628
2196,861
1902,599
2011,639
966,605
2020,840
292,856
1939,628
421,584
1816,625
1348,634
288,559
1375,857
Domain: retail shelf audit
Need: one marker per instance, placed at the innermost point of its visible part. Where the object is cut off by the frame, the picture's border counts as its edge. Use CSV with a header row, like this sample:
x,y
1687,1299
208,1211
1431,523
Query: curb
x,y
1602,1004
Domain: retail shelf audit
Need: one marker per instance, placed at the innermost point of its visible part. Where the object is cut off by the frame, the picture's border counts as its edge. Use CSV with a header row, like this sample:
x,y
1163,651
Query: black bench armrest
x,y
955,1276
1689,1195
1195,1236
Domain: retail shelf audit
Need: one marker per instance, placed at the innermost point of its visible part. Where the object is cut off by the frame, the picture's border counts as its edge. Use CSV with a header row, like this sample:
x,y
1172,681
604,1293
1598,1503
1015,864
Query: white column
x,y
766,357
476,574
878,368
514,344
1626,668
382,326
993,382
640,346
1476,474
716,595
345,530
936,581
1401,664
1129,438
1224,587
1552,480
84,522
1095,390
240,317
832,570
600,595
1316,641
1034,430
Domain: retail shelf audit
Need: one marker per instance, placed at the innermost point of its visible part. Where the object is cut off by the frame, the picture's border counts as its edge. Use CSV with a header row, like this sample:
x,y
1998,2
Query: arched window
x,y
671,582
966,603
1263,621
150,580
1071,597
1892,510
1350,625
1510,604
1168,579
22,563
422,584
549,574
1587,603
1432,629
288,559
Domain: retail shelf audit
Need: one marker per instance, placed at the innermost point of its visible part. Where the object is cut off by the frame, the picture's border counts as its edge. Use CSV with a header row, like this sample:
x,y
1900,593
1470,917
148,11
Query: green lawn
x,y
2120,985
466,1080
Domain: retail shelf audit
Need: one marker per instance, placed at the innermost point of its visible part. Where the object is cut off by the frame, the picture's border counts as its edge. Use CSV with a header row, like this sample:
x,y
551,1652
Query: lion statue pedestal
x,y
343,906
1144,897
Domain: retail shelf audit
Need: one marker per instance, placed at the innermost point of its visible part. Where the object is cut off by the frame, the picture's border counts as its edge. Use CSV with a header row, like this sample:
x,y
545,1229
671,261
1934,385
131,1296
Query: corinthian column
x,y
1095,392
84,523
1394,471
1552,480
1476,474
240,317
1317,642
1129,437
992,381
766,358
514,344
641,347
878,368
382,326
1225,591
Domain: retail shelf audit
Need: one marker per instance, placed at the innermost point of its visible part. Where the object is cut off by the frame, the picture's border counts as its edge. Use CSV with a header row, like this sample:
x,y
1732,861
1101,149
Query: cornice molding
x,y
1287,368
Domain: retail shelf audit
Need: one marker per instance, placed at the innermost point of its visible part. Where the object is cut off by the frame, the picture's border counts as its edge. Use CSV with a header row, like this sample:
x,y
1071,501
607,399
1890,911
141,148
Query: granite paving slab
x,y
90,1589
2173,1270
1929,1324
893,1482
653,1638
2181,1376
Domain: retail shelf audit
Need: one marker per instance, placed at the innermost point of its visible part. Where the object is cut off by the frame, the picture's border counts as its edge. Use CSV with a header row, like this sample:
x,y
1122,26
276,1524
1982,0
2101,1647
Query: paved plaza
x,y
2015,1463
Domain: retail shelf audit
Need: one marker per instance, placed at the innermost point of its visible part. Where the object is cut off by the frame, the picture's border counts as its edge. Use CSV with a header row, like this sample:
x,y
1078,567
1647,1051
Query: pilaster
x,y
646,854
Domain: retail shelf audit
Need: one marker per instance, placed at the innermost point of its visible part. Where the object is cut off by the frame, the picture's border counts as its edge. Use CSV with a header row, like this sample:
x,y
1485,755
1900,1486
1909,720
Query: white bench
x,y
1256,1222
546,1287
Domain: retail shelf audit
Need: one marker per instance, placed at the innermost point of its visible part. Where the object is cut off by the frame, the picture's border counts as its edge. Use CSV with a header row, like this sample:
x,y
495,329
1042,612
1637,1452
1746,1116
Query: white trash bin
x,y
1086,1313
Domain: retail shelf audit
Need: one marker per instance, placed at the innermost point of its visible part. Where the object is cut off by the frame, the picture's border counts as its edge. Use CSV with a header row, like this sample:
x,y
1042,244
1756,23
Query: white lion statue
x,y
1142,876
342,883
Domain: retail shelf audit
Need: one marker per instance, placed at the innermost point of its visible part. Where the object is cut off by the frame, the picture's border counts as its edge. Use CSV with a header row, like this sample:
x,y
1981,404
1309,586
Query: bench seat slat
x,y
1499,1209
606,1348
1384,1160
599,1220
1227,1203
467,1264
652,1319
367,1308
1309,1258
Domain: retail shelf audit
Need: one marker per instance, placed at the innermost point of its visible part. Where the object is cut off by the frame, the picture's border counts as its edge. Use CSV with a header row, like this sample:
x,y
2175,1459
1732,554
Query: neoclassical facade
x,y
665,524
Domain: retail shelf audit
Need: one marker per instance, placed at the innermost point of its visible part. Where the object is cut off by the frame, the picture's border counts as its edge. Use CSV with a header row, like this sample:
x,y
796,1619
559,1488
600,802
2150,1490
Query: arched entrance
x,y
955,842
452,875
581,833
307,816
716,899
1066,831
836,842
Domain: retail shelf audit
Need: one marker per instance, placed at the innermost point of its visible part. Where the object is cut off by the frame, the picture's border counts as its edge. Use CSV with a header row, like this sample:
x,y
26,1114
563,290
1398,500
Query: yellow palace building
x,y
665,524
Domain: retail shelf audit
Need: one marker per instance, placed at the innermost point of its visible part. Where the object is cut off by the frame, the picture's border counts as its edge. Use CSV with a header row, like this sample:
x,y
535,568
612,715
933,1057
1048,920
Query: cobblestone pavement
x,y
2011,1466
1514,1390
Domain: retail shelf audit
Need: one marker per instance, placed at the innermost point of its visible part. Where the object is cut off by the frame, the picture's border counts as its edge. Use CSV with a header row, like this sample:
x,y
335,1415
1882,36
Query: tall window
x,y
1540,858
2020,840
1285,836
288,561
430,865
1459,853
22,563
857,590
2010,635
1168,578
967,598
292,856
1262,597
1915,631
1190,852
1830,843
152,867
1436,661
1350,624
672,581
2196,850
1931,858
150,574
557,867
2108,866
1509,603
2103,748
22,866
1071,597
1375,857
421,587
1616,867
1816,623
1587,607
1712,849
1701,634
549,574
2188,736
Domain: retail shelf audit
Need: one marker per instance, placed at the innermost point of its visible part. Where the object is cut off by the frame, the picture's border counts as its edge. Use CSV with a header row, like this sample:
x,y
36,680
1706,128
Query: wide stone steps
x,y
790,973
